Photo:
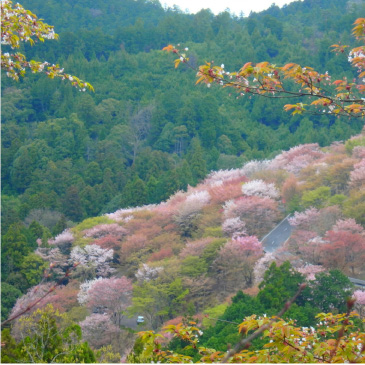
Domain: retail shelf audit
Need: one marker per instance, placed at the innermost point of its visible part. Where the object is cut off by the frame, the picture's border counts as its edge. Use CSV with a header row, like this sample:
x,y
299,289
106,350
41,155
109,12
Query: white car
x,y
140,319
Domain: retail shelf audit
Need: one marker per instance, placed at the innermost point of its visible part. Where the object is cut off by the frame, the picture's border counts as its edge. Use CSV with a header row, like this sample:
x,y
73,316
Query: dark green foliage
x,y
47,340
14,249
10,353
9,295
224,333
330,291
72,204
327,293
280,283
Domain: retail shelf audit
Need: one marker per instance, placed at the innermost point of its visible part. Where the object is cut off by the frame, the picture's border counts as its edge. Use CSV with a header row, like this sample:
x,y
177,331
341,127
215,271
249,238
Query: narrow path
x,y
280,234
274,239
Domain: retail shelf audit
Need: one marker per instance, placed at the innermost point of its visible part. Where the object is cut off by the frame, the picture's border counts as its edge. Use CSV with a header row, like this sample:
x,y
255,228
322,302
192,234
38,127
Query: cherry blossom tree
x,y
18,26
108,242
82,296
261,266
57,260
358,152
134,243
231,189
94,259
195,248
310,271
357,176
235,261
147,272
33,295
260,188
217,178
348,225
161,254
198,198
307,244
304,220
252,167
258,213
63,241
111,296
318,221
289,188
359,295
98,330
102,230
189,210
126,214
297,158
344,250
64,298
234,227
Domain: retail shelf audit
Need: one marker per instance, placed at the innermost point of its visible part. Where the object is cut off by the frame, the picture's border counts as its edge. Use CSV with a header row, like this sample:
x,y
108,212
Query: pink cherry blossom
x,y
297,158
99,330
93,256
310,271
260,188
234,227
147,273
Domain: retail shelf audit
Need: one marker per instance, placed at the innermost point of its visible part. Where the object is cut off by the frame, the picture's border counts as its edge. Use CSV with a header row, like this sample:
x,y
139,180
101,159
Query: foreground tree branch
x,y
20,25
338,97
48,292
246,342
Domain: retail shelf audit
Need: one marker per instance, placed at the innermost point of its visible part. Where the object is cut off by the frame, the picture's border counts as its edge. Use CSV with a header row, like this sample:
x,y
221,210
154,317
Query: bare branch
x,y
52,289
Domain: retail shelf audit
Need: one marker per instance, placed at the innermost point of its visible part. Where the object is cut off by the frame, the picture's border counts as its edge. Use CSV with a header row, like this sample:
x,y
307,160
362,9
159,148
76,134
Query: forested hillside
x,y
147,132
151,196
187,257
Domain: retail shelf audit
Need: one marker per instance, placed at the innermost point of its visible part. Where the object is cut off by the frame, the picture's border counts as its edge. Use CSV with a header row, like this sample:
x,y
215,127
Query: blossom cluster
x,y
66,237
304,219
255,166
297,158
102,230
357,176
147,273
195,248
310,271
93,256
82,296
260,188
217,178
125,214
198,198
234,227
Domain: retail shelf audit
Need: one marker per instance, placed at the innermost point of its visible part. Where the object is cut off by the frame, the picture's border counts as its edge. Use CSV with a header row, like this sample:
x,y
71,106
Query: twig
x,y
244,343
350,303
296,348
29,307
288,94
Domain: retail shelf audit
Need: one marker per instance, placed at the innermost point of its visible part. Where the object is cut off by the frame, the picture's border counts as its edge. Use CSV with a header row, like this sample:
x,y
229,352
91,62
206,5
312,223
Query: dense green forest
x,y
147,131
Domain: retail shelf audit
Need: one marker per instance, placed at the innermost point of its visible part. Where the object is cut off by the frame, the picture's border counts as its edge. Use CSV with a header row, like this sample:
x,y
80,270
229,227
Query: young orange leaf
x,y
168,48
